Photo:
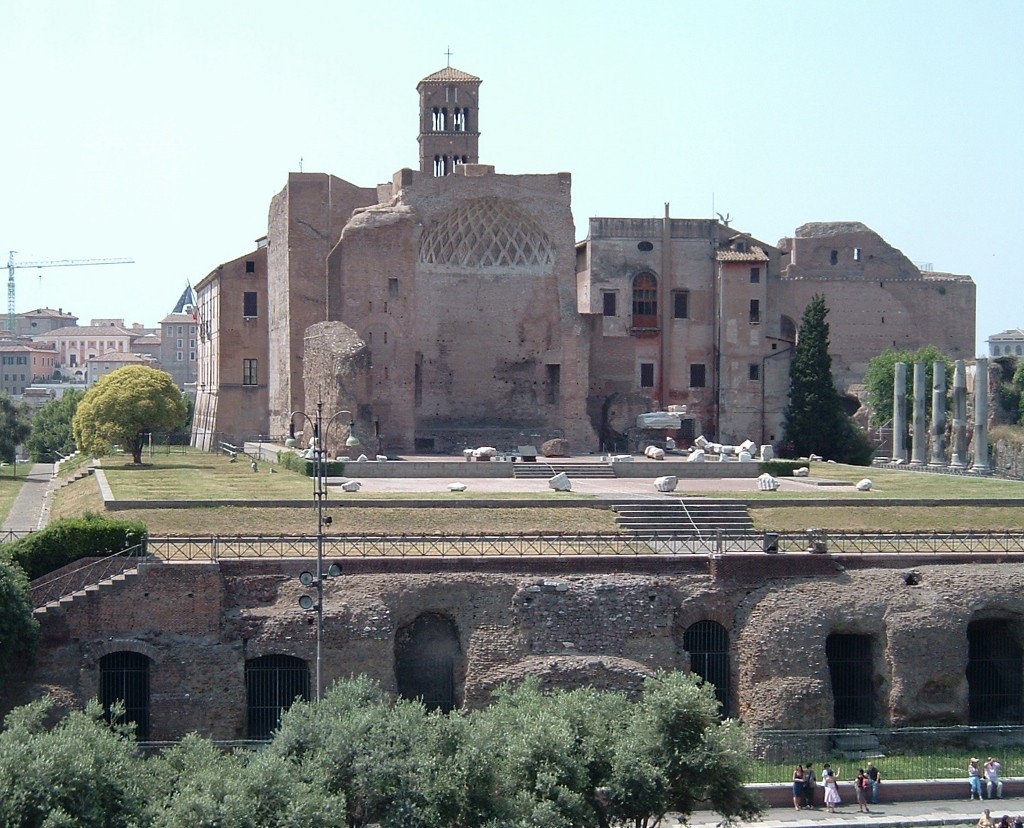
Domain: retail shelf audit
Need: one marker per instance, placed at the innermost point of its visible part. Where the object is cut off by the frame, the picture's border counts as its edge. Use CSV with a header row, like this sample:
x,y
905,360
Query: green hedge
x,y
295,462
782,468
67,540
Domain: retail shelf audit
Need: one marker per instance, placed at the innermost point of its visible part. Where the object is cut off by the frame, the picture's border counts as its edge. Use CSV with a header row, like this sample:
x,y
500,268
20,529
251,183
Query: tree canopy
x,y
15,426
881,374
51,428
126,405
814,420
18,627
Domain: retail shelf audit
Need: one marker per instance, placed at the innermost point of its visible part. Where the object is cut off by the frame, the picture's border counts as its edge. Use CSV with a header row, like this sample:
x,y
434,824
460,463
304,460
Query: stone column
x,y
919,439
981,465
959,458
899,413
938,414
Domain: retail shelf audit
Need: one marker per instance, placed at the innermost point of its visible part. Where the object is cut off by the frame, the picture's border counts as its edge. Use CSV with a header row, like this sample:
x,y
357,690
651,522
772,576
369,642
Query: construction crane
x,y
12,266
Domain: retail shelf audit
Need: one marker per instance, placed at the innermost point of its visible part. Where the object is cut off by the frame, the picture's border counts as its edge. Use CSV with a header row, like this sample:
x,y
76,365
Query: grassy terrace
x,y
207,476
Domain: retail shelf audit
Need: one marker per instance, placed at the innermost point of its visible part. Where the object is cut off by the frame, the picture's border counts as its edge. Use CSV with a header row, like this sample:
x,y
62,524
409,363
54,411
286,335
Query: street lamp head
x,y
305,578
306,602
352,441
333,571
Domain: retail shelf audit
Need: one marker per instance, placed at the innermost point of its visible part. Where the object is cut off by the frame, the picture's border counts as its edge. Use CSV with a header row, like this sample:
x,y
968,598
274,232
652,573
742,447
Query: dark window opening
x,y
609,300
688,431
554,384
707,642
647,375
645,247
834,257
851,670
272,684
250,372
250,267
755,275
754,371
645,301
393,288
417,379
426,652
755,311
697,375
993,673
423,445
124,678
250,303
856,254
681,304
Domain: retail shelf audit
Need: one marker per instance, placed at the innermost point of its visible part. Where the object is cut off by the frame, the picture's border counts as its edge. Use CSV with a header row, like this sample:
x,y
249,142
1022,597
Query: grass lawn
x,y
10,486
889,518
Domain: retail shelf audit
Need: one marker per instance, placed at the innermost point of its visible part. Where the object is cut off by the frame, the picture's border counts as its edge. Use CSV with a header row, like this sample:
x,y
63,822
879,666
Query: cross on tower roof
x,y
449,56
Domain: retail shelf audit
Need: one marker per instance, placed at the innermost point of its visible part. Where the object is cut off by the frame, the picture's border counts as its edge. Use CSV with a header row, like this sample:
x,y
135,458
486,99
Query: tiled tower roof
x,y
450,75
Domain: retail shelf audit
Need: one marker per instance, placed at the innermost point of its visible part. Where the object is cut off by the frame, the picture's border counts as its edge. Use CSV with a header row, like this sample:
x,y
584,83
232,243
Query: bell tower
x,y
449,125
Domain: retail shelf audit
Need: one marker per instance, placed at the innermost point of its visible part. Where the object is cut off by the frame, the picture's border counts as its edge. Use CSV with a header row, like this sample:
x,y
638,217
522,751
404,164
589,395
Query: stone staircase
x,y
678,516
576,471
83,592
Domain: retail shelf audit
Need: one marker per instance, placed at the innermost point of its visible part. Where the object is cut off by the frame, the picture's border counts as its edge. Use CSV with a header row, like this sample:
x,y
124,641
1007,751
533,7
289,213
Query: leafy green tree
x,y
51,428
79,772
18,627
124,406
814,420
15,425
881,374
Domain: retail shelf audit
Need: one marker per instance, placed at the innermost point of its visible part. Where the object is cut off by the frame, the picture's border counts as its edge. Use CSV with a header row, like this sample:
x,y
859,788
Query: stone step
x,y
69,599
541,470
680,517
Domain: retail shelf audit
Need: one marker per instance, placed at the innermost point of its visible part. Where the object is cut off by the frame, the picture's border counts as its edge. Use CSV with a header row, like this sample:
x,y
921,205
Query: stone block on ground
x,y
696,456
666,483
803,471
745,456
560,482
864,485
351,486
655,453
457,487
767,483
558,447
767,452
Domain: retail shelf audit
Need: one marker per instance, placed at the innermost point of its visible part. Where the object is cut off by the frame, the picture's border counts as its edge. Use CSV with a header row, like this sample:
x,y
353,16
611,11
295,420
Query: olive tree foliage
x,y
79,772
124,406
15,425
18,626
814,420
51,428
880,378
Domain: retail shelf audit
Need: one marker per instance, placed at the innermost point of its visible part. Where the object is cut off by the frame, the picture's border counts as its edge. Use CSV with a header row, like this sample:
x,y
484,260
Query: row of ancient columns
x,y
920,433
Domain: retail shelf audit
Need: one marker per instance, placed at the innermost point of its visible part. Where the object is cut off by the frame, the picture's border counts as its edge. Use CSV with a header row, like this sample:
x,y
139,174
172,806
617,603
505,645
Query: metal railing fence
x,y
67,583
217,547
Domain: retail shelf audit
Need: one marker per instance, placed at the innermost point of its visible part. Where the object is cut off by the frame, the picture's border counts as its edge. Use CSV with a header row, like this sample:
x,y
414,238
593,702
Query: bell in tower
x,y
449,129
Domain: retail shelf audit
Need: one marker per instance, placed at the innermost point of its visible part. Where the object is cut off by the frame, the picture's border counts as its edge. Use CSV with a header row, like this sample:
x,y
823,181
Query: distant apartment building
x,y
1007,343
99,367
23,363
177,351
43,320
77,345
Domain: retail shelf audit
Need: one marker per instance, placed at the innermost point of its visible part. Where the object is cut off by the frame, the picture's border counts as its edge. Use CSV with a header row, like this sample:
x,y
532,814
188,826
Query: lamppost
x,y
319,496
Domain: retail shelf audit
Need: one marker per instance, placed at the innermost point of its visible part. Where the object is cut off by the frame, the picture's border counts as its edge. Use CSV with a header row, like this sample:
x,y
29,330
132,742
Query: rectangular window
x,y
609,303
179,356
755,311
179,330
250,267
417,380
754,372
697,375
681,304
647,375
393,288
250,372
755,275
554,383
179,343
250,305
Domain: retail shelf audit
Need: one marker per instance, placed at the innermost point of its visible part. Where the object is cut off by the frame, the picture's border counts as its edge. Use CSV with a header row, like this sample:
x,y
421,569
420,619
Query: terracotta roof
x,y
50,312
754,254
119,356
451,75
177,317
84,331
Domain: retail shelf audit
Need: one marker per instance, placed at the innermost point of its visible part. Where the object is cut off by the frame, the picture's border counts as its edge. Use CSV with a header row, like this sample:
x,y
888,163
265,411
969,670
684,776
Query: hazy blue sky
x,y
161,130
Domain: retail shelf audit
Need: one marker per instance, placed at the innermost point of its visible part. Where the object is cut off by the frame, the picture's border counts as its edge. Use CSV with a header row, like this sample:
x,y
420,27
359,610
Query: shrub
x,y
67,540
293,461
781,468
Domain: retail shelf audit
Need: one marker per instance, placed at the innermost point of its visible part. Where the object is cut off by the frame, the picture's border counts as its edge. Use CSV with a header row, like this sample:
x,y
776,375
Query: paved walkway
x,y
31,508
883,815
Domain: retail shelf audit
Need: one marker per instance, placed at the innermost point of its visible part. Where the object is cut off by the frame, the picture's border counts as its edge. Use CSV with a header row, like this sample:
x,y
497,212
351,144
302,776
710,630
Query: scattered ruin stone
x,y
696,456
864,485
557,447
655,453
767,483
560,482
767,452
351,486
457,487
803,471
667,483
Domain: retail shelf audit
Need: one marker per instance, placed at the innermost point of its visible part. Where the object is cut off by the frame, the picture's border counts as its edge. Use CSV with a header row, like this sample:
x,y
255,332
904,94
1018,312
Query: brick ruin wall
x,y
604,622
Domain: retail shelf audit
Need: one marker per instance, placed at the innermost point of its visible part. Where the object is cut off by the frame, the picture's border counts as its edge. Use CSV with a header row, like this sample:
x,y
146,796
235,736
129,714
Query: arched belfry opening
x,y
449,133
427,654
994,663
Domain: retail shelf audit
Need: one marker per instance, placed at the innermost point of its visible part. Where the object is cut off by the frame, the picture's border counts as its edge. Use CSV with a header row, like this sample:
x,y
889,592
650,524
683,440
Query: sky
x,y
159,130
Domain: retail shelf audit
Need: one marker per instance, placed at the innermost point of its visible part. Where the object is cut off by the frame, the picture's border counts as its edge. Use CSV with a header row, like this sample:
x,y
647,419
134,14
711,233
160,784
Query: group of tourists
x,y
988,774
867,785
987,821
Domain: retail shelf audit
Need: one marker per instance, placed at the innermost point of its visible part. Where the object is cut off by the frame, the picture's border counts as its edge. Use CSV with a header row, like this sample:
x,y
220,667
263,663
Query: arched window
x,y
124,677
645,301
993,673
272,683
851,669
707,642
425,655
